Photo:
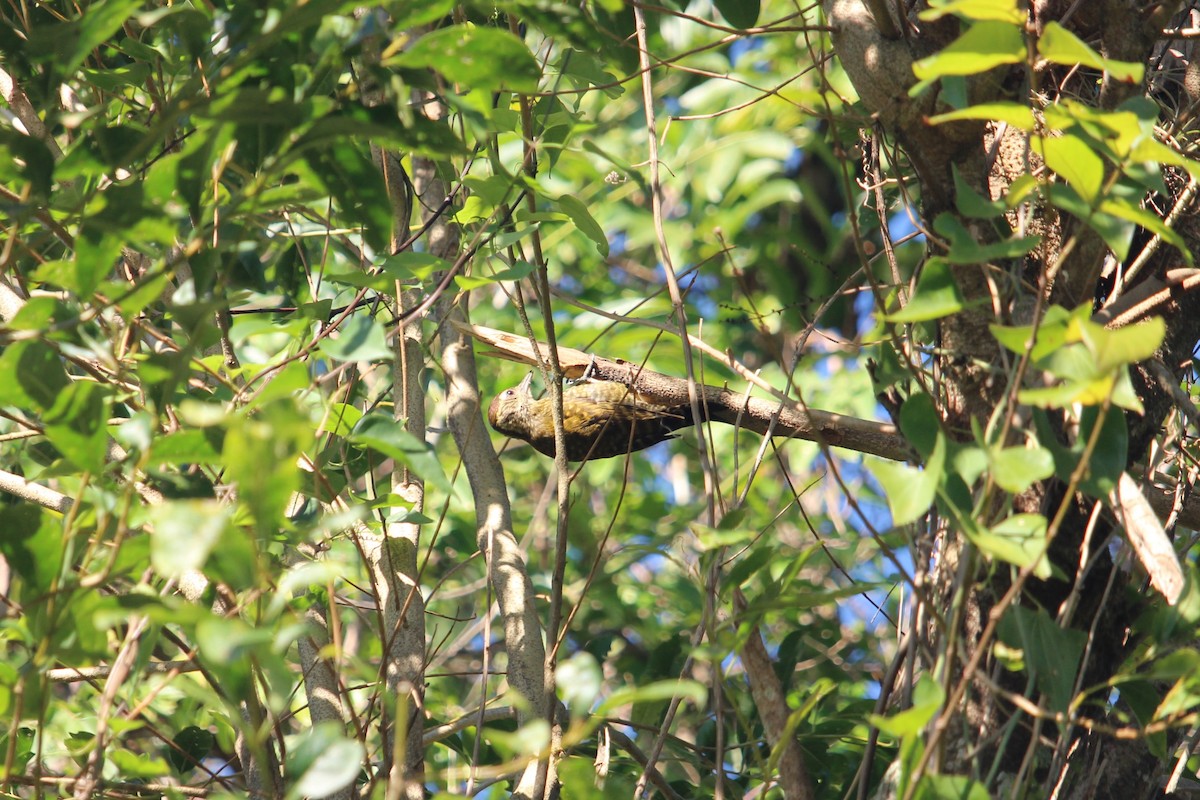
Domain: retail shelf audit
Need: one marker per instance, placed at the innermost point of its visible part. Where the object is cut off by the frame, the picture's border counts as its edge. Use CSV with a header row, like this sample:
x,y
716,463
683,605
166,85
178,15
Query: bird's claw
x,y
591,367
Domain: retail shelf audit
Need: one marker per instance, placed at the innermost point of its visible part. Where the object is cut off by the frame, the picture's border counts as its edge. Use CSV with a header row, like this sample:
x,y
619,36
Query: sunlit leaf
x,y
185,533
1014,114
33,546
910,491
381,433
584,221
937,294
1075,161
928,697
997,10
323,761
983,46
1061,46
1015,469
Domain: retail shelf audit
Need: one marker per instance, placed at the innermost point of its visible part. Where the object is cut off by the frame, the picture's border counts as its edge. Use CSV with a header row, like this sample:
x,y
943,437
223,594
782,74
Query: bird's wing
x,y
633,411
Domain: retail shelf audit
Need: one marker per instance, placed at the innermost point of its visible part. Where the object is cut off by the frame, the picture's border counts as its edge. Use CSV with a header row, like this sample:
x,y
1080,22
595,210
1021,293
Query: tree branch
x,y
718,405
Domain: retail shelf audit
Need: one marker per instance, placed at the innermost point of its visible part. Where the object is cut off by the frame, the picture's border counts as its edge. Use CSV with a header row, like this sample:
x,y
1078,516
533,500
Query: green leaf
x,y
1015,469
146,291
579,214
1116,232
1052,653
920,424
322,761
417,134
408,266
1088,392
185,532
116,610
229,646
937,295
709,538
659,690
985,45
1020,189
580,682
978,10
928,697
528,740
77,424
34,376
579,782
478,57
1089,360
494,190
1061,46
408,516
1020,540
910,491
748,565
259,453
32,545
1123,346
971,204
363,280
1051,334
1111,453
261,106
964,249
740,13
285,383
95,253
969,463
950,787
1076,161
1179,664
1014,114
138,766
1147,148
116,78
66,45
340,419
360,338
474,209
1182,697
350,176
518,271
1132,213
380,432
37,313
23,743
191,745
33,158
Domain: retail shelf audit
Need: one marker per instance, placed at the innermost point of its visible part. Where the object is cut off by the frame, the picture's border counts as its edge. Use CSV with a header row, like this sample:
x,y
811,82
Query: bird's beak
x,y
524,387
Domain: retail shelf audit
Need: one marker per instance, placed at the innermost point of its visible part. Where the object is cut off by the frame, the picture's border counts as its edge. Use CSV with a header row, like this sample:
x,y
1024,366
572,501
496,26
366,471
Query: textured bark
x,y
506,564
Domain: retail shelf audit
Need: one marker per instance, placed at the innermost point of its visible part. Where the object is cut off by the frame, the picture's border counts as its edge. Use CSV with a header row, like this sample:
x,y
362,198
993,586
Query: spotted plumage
x,y
601,419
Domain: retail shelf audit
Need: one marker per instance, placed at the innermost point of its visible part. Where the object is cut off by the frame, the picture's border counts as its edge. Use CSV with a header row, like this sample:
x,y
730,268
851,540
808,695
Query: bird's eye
x,y
510,392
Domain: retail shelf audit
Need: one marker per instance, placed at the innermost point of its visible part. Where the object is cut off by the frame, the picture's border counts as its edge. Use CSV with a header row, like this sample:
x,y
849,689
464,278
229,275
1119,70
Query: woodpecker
x,y
601,419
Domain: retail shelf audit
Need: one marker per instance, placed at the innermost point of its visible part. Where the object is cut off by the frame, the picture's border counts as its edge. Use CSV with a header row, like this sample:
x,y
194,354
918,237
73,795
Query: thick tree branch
x,y
506,564
782,417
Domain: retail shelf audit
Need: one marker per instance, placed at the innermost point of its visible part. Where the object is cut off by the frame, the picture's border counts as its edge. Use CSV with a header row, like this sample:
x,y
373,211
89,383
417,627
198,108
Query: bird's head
x,y
509,409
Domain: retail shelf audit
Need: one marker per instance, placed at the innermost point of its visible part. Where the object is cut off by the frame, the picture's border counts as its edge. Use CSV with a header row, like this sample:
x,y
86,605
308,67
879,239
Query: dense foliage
x,y
254,534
